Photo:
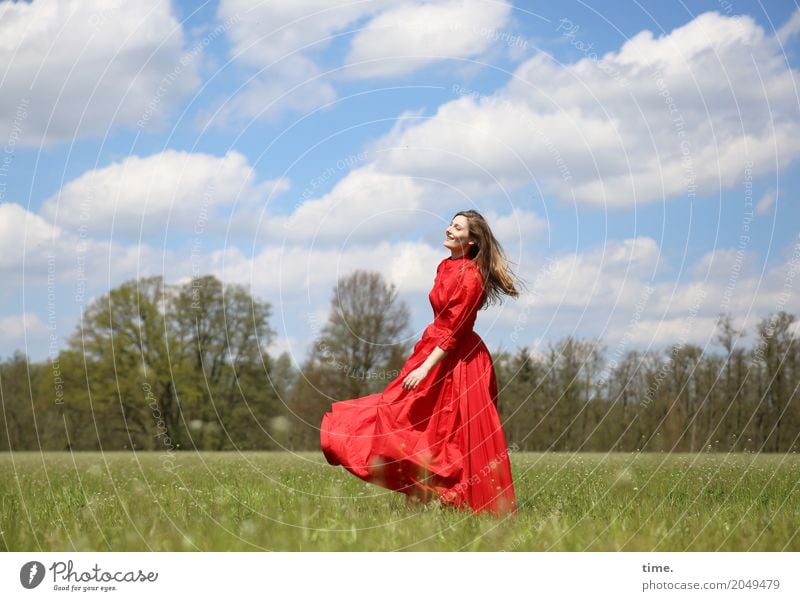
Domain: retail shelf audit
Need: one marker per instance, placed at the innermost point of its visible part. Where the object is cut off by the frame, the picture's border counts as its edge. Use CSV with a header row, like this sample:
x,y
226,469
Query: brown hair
x,y
490,258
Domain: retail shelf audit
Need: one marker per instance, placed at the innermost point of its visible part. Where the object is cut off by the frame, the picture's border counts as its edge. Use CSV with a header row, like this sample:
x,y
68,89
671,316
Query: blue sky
x,y
637,160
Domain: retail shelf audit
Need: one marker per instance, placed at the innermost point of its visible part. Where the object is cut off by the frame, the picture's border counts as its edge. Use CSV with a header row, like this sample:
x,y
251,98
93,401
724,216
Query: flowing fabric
x,y
442,439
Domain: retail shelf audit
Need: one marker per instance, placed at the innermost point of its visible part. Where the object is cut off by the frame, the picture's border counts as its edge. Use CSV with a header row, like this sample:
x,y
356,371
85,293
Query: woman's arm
x,y
415,376
437,354
454,321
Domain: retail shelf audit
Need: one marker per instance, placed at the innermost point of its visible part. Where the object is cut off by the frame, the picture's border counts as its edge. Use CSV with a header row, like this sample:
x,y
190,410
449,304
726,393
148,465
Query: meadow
x,y
262,501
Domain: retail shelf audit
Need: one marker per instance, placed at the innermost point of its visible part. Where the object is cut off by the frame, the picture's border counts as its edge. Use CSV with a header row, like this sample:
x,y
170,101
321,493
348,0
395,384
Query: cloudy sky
x,y
639,162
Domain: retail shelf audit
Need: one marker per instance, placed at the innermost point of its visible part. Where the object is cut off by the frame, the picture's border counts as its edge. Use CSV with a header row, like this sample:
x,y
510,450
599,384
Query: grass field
x,y
296,502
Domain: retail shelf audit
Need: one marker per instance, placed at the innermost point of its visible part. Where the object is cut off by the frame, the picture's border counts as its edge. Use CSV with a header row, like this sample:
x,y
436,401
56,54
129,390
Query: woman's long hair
x,y
490,258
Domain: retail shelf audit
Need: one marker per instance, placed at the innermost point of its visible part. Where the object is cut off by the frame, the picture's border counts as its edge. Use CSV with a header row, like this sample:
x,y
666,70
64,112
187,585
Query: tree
x,y
170,367
627,418
684,396
777,413
31,405
129,380
223,334
356,353
575,366
735,396
521,404
361,336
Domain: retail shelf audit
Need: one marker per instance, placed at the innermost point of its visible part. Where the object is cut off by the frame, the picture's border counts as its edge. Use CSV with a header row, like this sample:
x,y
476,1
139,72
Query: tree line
x,y
169,367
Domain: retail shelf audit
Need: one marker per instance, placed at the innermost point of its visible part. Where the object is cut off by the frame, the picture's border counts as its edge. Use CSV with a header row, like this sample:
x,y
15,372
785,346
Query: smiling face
x,y
456,236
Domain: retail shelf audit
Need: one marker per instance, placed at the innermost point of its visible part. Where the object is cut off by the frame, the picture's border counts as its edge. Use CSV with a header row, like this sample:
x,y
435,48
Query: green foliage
x,y
569,398
164,367
152,366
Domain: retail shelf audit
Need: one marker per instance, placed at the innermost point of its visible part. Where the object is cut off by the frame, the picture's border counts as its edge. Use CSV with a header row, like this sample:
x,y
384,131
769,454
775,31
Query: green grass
x,y
296,502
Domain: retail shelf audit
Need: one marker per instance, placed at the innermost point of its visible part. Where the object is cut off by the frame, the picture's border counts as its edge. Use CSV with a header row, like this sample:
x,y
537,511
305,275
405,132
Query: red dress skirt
x,y
442,439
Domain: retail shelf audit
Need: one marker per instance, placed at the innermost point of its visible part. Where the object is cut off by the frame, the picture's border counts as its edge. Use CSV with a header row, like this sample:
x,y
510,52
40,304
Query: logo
x,y
31,574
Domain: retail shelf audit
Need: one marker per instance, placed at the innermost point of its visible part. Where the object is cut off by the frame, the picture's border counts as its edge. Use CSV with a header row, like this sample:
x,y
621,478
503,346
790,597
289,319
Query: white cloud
x,y
22,235
722,264
295,84
299,271
611,291
34,253
299,281
79,67
661,333
170,190
365,205
613,273
14,326
267,32
409,36
790,28
614,292
516,228
683,119
23,332
290,345
765,203
369,205
283,39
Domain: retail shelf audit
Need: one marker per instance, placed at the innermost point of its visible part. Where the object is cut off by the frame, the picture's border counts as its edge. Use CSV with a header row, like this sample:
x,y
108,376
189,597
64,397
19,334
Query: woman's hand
x,y
414,377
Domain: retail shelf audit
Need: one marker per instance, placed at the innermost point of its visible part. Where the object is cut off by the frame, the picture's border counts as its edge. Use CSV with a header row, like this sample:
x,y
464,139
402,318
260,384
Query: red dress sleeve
x,y
458,316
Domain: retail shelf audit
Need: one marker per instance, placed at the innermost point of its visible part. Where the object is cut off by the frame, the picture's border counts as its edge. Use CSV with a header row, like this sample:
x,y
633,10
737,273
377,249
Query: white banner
x,y
400,576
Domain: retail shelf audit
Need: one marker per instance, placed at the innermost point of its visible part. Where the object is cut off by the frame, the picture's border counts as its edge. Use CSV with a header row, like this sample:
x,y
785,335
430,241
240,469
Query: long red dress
x,y
442,439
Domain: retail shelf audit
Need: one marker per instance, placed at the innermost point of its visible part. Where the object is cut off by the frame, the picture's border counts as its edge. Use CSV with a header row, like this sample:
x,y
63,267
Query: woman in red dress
x,y
434,432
